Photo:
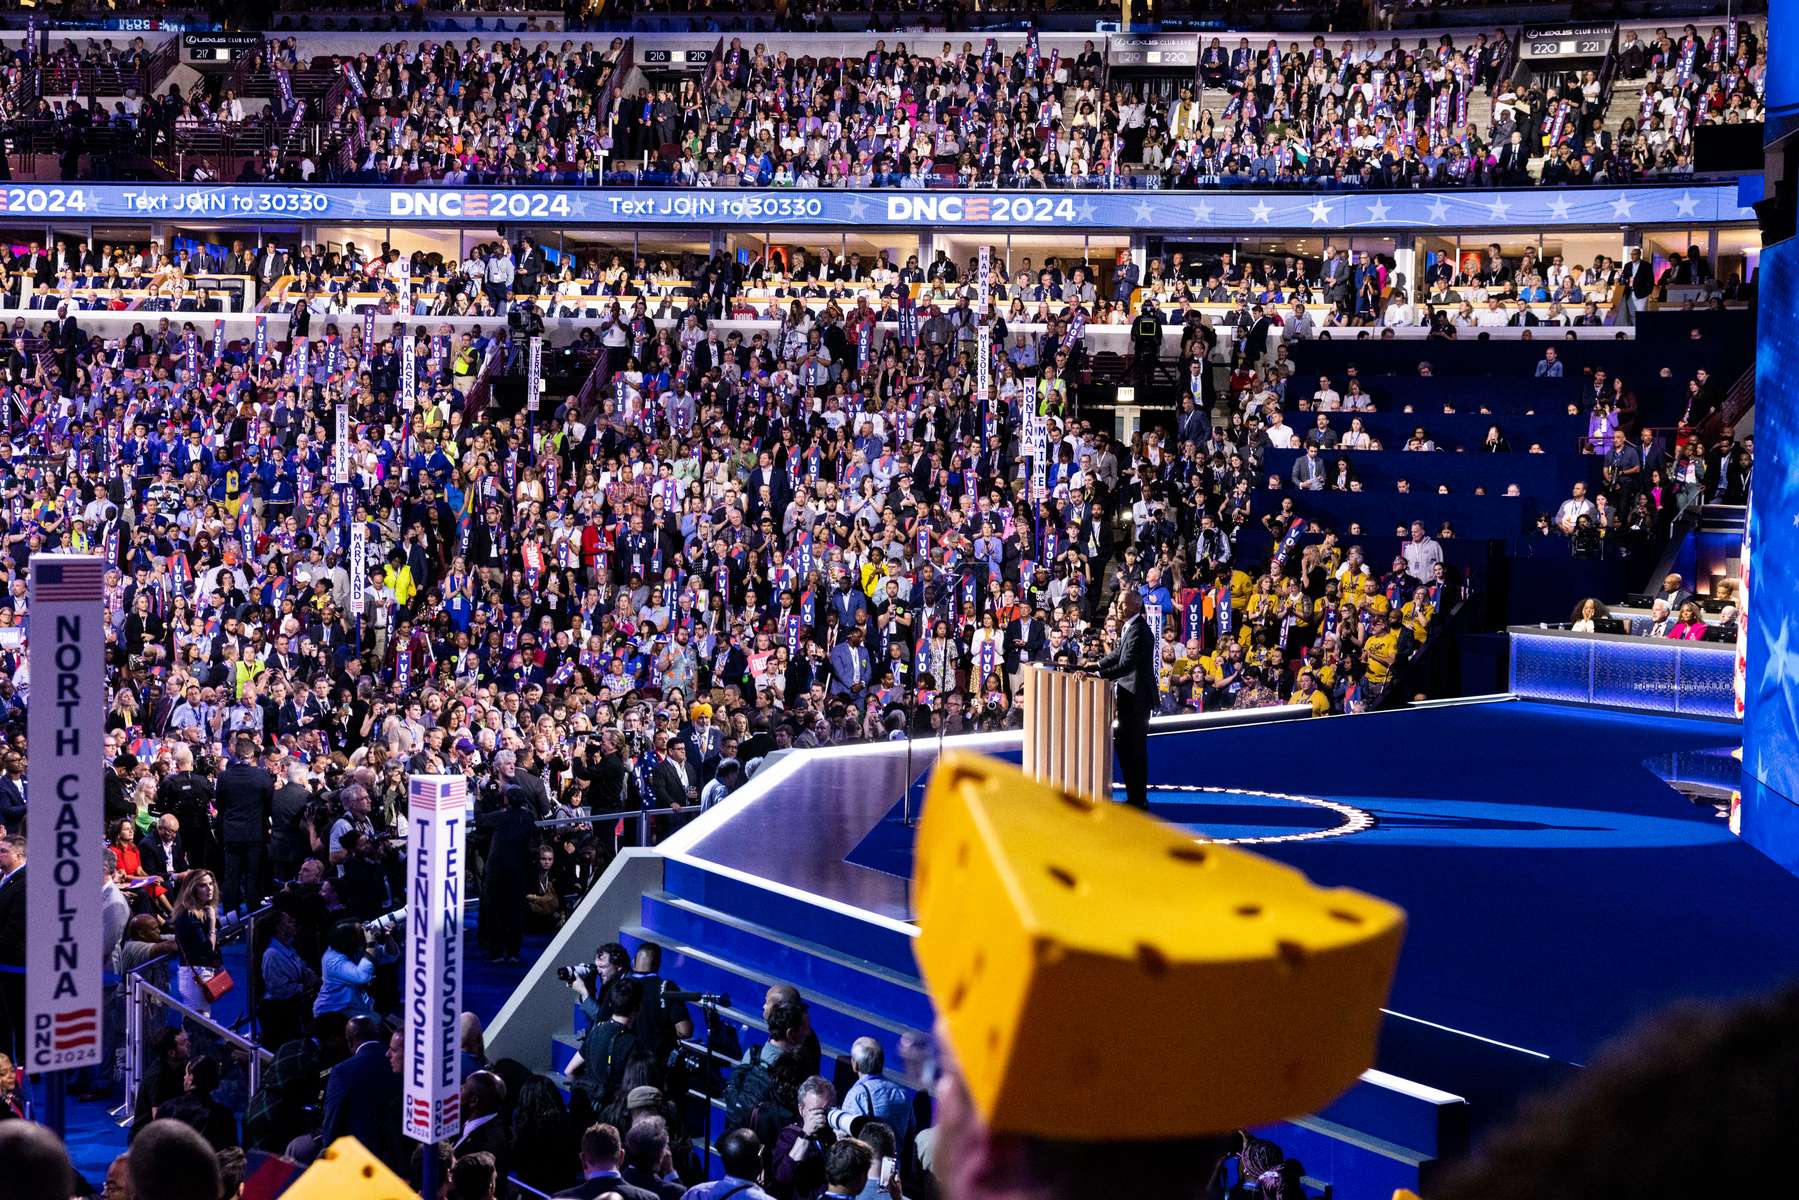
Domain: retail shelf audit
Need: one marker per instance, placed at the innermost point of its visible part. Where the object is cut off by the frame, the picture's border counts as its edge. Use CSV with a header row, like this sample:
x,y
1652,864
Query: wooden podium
x,y
1068,731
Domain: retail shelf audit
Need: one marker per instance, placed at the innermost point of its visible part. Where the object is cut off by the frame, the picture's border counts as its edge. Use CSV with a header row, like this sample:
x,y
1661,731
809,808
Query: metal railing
x,y
142,998
642,816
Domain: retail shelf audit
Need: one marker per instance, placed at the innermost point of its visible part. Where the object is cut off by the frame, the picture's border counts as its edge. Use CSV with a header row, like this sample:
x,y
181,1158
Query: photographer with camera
x,y
801,1148
589,980
602,771
356,807
664,1020
595,1071
364,884
348,970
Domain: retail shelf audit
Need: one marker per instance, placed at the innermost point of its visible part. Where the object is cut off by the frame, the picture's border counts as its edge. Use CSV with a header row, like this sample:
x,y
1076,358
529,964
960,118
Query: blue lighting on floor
x,y
1557,888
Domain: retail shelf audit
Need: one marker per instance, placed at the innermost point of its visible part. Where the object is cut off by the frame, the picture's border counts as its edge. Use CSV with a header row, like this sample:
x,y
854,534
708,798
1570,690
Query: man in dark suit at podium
x,y
1132,664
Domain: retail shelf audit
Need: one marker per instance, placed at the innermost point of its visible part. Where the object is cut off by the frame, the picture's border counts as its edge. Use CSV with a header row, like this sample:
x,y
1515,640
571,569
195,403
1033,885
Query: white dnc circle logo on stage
x,y
1354,820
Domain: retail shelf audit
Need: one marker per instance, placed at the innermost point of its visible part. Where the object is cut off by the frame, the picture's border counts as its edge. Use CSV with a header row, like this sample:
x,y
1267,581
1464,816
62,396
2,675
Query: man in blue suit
x,y
846,599
362,1094
851,667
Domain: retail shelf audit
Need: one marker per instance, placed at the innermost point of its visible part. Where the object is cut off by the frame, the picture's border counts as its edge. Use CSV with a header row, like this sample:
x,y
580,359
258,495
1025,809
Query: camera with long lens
x,y
385,924
674,995
845,1123
581,971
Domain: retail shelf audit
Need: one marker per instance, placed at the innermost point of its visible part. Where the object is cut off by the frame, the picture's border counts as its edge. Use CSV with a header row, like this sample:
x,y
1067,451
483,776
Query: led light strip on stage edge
x,y
1355,820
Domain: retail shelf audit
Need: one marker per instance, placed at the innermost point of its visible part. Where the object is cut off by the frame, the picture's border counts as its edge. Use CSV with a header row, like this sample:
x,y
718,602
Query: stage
x,y
1557,886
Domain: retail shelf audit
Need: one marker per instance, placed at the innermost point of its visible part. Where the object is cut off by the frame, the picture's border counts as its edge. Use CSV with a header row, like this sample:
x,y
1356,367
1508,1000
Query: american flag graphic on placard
x,y
75,1028
55,583
432,794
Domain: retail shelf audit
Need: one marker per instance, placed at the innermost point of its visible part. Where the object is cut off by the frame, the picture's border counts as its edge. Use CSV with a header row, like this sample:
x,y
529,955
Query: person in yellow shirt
x,y
1418,613
1380,651
871,572
1264,654
1297,609
1330,552
1191,658
1261,603
245,671
1307,691
397,576
1325,603
1241,586
1373,599
232,494
1323,663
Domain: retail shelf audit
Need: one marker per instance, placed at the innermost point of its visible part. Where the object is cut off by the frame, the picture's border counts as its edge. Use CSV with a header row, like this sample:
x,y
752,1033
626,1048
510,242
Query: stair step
x,y
849,932
837,1022
563,1047
805,964
1355,1166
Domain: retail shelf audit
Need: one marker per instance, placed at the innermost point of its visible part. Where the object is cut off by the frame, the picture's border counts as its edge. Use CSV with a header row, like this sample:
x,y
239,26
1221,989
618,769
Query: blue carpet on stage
x,y
1557,889
94,1139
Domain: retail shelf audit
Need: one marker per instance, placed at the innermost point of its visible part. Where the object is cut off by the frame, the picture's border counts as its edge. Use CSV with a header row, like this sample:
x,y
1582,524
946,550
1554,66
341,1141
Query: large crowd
x,y
529,108
781,513
722,546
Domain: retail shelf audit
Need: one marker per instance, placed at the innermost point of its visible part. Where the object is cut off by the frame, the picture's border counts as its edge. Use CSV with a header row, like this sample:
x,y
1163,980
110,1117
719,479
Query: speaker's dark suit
x,y
1133,666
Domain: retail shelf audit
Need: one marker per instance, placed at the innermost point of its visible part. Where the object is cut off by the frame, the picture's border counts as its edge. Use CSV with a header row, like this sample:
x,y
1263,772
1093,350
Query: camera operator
x,y
610,962
356,804
1587,540
608,1045
801,1148
363,884
349,969
525,321
188,794
288,837
602,770
660,1025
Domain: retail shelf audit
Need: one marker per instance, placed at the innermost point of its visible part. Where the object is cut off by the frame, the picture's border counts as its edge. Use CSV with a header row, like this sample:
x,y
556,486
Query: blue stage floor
x,y
1557,888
